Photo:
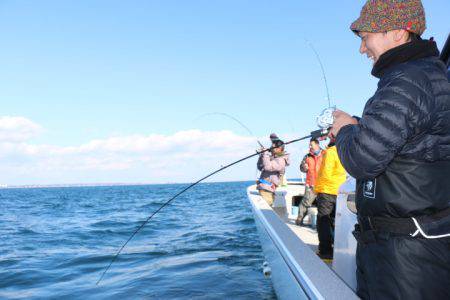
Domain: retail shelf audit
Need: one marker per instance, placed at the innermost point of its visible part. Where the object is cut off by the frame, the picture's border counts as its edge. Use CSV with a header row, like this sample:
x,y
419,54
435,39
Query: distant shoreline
x,y
37,186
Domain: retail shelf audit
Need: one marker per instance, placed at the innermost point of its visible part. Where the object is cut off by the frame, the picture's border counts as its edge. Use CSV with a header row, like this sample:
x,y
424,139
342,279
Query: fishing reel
x,y
324,121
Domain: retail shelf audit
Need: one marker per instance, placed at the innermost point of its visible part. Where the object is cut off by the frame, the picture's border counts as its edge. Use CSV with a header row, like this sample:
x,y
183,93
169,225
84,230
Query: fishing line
x,y
238,122
323,71
234,119
314,134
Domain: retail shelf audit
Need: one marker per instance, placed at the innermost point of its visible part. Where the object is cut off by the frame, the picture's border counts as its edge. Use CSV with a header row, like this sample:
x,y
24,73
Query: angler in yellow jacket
x,y
330,177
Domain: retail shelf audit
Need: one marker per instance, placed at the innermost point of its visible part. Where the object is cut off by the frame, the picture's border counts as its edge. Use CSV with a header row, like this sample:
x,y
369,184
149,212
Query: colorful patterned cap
x,y
386,15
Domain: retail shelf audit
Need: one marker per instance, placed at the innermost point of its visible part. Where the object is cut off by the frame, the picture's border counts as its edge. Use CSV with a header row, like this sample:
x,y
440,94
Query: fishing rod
x,y
323,71
234,119
313,134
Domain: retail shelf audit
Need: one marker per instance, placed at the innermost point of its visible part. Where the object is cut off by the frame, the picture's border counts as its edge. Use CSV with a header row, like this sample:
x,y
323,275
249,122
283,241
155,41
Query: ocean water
x,y
56,242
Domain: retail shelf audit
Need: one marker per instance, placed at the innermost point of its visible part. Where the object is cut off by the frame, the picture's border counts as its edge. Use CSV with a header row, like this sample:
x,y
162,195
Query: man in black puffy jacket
x,y
399,152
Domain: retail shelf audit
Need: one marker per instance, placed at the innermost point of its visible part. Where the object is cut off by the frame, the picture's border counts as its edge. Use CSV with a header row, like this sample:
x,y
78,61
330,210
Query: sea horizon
x,y
106,184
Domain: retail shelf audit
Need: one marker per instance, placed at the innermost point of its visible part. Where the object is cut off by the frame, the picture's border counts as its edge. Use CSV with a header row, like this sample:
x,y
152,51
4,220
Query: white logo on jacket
x,y
369,187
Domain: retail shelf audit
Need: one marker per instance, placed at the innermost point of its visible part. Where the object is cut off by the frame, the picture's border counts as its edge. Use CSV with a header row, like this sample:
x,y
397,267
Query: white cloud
x,y
157,158
17,129
180,157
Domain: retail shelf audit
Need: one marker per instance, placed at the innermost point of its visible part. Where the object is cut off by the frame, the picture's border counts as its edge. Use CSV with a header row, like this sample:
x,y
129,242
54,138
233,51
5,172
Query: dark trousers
x,y
393,266
306,203
326,208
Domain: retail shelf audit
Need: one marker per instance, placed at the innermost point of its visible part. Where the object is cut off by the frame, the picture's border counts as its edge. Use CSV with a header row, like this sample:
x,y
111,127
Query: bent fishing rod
x,y
313,134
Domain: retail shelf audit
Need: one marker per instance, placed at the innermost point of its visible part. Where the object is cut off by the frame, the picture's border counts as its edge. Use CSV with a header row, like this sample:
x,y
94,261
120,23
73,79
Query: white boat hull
x,y
296,271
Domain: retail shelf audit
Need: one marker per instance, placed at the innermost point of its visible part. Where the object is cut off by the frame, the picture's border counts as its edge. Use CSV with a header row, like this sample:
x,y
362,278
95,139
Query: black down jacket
x,y
400,150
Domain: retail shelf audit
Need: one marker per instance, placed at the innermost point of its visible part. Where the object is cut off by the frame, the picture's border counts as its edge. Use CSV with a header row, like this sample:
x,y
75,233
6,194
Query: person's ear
x,y
400,35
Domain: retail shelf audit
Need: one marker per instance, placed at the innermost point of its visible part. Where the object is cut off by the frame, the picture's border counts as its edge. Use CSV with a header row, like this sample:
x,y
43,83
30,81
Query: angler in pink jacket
x,y
272,165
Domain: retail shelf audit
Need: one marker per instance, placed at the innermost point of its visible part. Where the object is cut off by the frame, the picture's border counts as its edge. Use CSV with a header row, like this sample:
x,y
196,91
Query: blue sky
x,y
85,71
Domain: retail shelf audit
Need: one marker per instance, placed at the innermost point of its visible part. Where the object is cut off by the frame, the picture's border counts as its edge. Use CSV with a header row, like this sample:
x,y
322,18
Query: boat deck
x,y
307,234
